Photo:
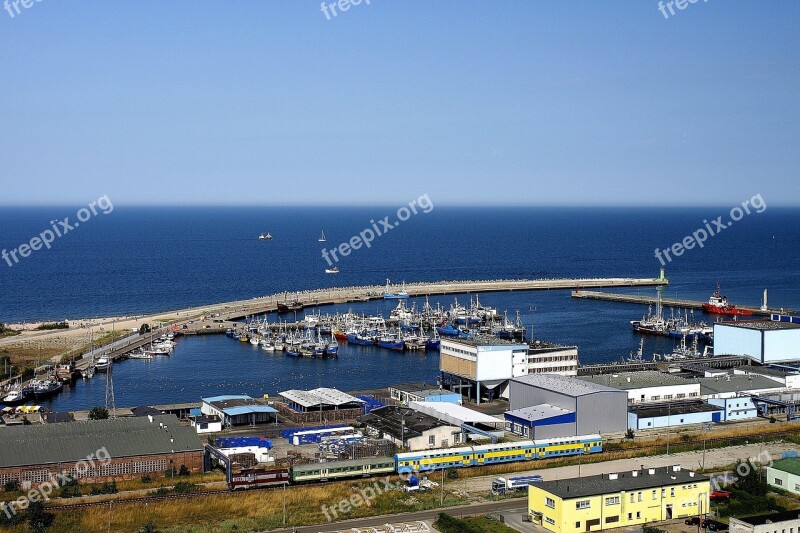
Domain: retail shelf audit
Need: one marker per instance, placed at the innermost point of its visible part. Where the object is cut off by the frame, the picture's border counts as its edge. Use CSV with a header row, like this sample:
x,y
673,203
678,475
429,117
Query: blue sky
x,y
517,102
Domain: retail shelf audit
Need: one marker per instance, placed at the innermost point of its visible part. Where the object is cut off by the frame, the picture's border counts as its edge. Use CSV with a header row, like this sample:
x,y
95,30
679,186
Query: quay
x,y
267,304
666,302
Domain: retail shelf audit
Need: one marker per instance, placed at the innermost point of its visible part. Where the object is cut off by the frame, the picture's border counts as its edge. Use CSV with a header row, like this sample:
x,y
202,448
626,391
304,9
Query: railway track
x,y
677,446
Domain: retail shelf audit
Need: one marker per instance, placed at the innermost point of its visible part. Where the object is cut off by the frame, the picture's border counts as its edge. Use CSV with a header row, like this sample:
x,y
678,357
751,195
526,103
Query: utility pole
x,y
441,496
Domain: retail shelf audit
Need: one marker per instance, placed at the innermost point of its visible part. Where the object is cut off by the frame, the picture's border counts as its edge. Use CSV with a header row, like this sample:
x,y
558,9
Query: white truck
x,y
502,485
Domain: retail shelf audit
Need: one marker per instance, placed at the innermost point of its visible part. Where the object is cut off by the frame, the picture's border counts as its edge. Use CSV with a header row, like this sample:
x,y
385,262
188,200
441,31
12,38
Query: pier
x,y
666,302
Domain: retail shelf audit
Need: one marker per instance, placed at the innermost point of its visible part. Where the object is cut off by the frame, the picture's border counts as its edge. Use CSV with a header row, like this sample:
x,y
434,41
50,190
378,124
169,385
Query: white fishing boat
x,y
102,364
334,270
265,237
140,355
267,346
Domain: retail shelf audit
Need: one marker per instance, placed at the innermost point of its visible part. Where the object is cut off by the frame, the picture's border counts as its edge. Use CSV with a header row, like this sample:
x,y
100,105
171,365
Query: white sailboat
x,y
322,238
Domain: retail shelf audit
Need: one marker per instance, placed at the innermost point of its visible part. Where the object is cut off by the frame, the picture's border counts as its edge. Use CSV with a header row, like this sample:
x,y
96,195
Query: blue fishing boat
x,y
391,342
389,295
448,330
358,338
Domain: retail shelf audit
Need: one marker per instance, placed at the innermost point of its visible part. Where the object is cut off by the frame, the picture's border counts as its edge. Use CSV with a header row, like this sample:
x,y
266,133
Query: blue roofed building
x,y
528,421
239,410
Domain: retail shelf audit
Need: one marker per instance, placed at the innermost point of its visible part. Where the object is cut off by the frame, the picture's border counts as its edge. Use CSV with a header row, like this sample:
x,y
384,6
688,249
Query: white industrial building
x,y
648,386
732,385
481,368
764,341
785,522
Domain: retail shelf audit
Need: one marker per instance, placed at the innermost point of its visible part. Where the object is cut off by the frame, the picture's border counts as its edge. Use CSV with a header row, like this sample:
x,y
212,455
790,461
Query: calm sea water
x,y
139,260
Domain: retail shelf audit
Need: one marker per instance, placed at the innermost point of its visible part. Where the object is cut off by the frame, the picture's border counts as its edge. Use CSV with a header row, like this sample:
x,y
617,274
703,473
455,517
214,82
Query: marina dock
x,y
666,302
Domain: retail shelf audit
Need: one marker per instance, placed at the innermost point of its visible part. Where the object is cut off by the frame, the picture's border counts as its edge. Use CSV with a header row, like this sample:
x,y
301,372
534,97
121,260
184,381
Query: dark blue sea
x,y
137,260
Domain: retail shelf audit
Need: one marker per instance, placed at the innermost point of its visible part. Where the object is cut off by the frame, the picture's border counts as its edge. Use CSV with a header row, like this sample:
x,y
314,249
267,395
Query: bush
x,y
105,488
160,491
98,413
11,486
630,433
183,487
146,479
183,471
70,489
38,519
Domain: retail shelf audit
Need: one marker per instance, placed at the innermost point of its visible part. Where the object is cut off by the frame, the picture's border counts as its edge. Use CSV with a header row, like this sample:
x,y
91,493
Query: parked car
x,y
714,525
692,521
720,495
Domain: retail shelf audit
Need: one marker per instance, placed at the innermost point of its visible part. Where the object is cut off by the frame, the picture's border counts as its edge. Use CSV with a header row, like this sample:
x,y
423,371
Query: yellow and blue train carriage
x,y
560,447
433,459
486,454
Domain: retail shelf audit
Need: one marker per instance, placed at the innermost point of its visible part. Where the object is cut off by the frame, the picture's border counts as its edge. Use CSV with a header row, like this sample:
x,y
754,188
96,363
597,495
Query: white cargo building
x,y
764,341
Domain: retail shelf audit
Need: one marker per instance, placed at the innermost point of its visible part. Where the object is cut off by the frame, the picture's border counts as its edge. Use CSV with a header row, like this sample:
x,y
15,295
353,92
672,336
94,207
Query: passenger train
x,y
427,460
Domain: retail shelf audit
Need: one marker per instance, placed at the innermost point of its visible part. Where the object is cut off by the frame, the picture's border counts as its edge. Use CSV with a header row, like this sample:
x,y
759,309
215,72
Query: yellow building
x,y
607,501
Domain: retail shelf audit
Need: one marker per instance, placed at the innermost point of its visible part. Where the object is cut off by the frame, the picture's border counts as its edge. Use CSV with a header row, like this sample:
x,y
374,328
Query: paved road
x,y
474,509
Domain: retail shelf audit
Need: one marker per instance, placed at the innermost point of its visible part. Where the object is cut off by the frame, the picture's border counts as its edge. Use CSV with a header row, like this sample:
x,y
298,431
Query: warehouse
x,y
785,474
660,415
607,501
648,385
120,448
235,410
787,521
411,429
531,422
320,406
592,408
422,392
764,341
469,420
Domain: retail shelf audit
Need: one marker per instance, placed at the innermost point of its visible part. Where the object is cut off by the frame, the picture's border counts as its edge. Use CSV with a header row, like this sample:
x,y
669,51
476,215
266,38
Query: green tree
x,y
630,433
145,328
98,413
39,520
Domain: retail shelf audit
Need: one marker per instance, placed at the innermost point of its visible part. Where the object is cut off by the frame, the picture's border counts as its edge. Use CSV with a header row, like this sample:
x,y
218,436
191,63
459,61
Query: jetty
x,y
666,302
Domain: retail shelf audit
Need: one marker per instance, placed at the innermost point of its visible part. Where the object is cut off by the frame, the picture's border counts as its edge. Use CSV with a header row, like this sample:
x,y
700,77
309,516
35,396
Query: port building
x,y
608,501
764,341
473,423
648,386
233,410
482,368
320,406
552,406
411,429
422,392
785,474
123,448
672,414
785,522
732,385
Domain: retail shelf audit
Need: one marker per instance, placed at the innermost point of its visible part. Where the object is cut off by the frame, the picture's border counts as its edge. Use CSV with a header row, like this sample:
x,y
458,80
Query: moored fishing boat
x,y
718,304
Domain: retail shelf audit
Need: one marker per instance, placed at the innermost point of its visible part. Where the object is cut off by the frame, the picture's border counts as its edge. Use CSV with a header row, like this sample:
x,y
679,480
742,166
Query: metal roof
x,y
401,422
538,412
636,380
790,465
603,484
247,409
760,325
226,398
770,518
323,395
568,385
121,437
671,409
453,413
737,383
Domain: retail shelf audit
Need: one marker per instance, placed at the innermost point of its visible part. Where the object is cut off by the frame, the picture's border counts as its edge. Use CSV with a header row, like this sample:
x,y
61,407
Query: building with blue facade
x,y
672,414
526,421
738,408
422,392
237,410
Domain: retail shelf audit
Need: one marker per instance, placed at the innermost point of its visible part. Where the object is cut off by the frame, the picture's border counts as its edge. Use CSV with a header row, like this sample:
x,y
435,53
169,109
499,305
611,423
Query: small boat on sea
x,y
140,355
322,238
17,395
334,270
46,388
265,237
391,341
102,364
